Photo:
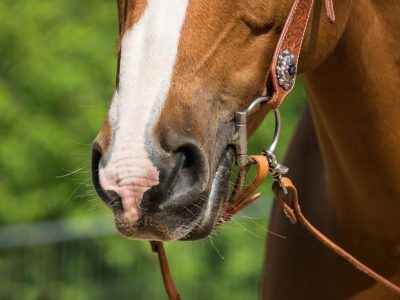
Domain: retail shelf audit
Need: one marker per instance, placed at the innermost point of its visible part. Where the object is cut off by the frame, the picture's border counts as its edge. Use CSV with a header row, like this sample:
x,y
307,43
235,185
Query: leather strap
x,y
292,209
330,12
244,198
169,284
291,39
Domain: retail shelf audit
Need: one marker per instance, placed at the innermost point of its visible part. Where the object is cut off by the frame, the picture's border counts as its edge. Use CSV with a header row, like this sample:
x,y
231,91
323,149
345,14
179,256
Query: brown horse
x,y
163,157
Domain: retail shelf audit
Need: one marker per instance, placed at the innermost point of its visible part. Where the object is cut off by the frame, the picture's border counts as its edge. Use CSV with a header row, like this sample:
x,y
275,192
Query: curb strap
x,y
239,199
169,284
291,207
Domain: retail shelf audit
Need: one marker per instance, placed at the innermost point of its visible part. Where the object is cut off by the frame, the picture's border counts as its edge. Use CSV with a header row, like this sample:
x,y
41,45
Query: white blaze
x,y
148,54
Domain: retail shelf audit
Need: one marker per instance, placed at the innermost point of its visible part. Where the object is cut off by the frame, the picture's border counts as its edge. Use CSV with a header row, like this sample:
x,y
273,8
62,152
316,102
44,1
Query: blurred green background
x,y
57,241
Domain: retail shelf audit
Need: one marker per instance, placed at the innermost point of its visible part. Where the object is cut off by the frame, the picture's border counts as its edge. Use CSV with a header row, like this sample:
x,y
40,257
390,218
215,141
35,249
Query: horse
x,y
163,156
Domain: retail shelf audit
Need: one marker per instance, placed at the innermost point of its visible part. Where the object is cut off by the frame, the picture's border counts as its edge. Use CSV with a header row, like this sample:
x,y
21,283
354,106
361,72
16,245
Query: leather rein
x,y
282,74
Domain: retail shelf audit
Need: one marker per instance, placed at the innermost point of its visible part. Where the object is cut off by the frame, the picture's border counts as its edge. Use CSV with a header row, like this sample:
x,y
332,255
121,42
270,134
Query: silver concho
x,y
286,69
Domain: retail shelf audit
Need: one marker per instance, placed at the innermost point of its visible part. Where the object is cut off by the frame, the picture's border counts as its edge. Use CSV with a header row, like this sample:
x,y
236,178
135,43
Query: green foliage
x,y
56,78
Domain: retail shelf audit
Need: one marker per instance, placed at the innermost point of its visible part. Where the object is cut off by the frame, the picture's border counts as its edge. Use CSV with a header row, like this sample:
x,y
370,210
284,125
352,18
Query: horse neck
x,y
355,98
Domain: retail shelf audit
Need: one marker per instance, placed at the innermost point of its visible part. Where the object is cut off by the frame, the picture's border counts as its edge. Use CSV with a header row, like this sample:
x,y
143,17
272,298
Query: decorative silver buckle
x,y
286,69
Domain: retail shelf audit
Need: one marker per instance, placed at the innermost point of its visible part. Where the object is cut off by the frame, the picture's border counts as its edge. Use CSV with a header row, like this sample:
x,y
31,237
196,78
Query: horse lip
x,y
217,196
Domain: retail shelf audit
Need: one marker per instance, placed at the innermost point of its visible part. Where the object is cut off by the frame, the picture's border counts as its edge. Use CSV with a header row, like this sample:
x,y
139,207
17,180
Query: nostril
x,y
180,182
187,158
191,168
190,156
96,157
110,197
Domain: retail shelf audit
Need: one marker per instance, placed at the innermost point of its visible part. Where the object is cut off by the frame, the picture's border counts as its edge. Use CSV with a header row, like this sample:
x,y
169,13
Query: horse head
x,y
162,159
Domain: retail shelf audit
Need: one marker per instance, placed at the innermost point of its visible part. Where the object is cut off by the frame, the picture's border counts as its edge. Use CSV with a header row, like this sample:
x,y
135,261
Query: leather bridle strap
x,y
169,284
287,51
293,211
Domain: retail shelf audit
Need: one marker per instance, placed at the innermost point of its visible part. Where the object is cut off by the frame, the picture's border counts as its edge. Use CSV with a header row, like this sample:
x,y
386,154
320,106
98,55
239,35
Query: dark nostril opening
x,y
110,197
190,156
181,179
96,157
187,157
191,170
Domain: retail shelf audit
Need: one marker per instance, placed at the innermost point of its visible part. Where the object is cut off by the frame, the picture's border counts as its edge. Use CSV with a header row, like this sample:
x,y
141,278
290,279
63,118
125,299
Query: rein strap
x,y
293,211
169,283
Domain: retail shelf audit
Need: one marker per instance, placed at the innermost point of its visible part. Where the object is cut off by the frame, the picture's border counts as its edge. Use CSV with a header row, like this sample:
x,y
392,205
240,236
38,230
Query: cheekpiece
x,y
286,69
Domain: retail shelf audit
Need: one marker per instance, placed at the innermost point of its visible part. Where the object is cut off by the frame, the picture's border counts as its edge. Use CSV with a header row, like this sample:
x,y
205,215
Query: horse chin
x,y
217,196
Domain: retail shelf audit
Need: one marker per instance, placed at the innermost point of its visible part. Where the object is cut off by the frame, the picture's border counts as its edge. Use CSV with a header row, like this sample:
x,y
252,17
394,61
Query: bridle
x,y
281,75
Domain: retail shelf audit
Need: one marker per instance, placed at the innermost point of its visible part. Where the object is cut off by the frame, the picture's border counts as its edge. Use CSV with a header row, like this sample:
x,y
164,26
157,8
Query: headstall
x,y
282,73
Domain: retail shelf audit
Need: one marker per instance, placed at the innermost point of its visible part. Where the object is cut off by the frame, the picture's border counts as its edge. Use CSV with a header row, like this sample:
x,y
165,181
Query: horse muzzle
x,y
172,198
